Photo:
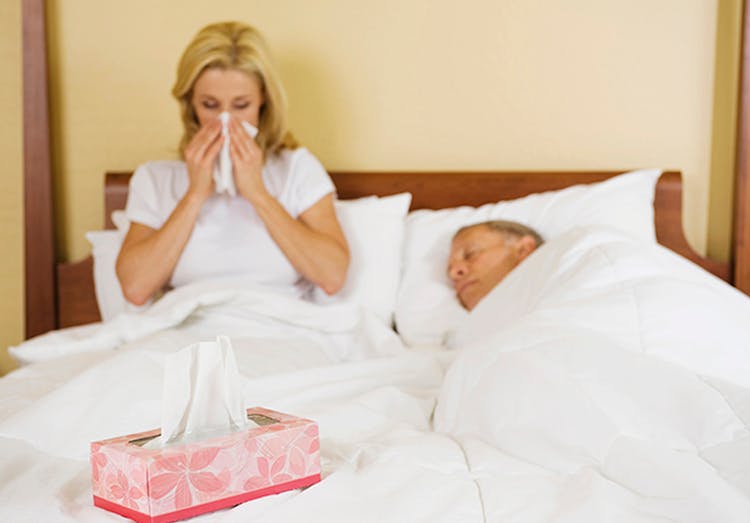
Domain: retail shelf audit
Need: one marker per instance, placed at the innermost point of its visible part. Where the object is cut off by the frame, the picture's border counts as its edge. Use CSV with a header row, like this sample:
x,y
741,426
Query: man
x,y
484,253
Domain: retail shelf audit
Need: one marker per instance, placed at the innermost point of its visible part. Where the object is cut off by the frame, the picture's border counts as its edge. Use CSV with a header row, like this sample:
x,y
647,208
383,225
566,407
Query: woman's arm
x,y
148,256
314,243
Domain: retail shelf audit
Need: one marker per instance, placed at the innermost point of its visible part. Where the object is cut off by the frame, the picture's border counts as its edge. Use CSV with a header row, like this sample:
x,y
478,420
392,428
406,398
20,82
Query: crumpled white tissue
x,y
223,178
202,395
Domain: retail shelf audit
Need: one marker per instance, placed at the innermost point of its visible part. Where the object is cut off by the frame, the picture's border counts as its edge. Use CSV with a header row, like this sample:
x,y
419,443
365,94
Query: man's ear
x,y
525,246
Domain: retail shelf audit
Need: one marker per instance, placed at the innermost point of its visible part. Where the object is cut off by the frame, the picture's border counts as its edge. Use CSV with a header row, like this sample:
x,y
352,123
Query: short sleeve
x,y
143,199
309,181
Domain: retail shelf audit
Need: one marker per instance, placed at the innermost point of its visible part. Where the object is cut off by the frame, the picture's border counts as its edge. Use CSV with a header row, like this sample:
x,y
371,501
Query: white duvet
x,y
603,380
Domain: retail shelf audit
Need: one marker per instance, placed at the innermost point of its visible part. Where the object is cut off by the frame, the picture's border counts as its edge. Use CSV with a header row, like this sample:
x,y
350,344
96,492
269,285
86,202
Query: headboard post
x,y
38,234
741,244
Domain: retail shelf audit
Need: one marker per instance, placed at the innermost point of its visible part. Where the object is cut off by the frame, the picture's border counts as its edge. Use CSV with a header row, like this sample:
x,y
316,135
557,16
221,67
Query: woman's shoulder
x,y
288,157
161,169
160,174
159,179
296,162
298,179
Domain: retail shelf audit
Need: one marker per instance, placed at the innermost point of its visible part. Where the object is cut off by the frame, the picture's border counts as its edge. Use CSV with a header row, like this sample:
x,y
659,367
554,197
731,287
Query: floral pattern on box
x,y
160,481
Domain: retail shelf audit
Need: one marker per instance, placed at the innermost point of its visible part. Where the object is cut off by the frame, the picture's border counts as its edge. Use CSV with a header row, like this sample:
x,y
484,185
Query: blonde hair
x,y
232,45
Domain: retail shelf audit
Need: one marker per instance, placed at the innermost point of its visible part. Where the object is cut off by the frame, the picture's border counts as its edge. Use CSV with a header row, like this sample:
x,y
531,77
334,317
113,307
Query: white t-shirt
x,y
229,238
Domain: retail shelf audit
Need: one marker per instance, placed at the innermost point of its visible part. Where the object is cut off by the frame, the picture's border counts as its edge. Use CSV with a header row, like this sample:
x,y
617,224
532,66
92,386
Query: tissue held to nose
x,y
223,169
202,394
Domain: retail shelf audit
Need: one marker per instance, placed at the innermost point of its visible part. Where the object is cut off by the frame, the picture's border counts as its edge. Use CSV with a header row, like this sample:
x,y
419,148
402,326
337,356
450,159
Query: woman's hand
x,y
200,156
247,159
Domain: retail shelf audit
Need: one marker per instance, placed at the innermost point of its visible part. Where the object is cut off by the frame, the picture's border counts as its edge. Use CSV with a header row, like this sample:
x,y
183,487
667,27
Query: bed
x,y
606,379
76,302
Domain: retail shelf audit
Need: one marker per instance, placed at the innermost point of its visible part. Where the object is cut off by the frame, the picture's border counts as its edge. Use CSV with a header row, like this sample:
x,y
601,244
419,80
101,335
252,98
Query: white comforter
x,y
337,365
604,380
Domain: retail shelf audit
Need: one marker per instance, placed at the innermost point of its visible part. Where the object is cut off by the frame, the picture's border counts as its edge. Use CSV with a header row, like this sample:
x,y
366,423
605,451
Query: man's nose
x,y
456,270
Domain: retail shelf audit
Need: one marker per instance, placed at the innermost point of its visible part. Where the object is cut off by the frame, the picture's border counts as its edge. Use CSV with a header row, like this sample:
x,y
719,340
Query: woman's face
x,y
217,90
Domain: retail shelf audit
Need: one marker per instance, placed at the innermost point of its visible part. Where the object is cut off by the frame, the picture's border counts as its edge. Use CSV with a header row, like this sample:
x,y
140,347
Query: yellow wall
x,y
423,84
725,110
11,199
488,84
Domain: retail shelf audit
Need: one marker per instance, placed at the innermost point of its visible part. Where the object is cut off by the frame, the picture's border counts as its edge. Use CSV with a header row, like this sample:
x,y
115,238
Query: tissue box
x,y
184,480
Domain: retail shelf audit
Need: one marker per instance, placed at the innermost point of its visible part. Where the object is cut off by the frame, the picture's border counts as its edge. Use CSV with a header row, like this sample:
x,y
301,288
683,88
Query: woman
x,y
280,228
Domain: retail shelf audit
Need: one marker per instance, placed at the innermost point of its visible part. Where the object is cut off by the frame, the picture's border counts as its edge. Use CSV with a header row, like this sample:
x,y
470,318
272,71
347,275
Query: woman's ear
x,y
525,246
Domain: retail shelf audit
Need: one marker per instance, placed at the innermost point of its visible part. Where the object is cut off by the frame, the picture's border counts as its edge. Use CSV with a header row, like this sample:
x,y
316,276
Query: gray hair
x,y
509,228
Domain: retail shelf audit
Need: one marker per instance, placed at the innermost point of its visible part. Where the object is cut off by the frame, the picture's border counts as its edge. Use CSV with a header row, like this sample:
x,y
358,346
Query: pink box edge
x,y
123,444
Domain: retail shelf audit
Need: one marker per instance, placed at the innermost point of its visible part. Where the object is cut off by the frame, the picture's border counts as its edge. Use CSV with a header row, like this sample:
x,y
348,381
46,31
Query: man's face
x,y
480,258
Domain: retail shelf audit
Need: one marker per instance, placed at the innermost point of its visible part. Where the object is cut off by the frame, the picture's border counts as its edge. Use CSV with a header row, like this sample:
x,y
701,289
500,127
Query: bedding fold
x,y
230,306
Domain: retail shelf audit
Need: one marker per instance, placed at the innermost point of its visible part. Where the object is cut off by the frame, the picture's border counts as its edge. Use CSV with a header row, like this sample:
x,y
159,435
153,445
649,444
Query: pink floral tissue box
x,y
181,481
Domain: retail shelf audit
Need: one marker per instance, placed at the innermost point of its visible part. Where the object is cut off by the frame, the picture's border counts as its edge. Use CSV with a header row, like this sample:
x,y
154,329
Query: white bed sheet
x,y
380,459
339,365
603,381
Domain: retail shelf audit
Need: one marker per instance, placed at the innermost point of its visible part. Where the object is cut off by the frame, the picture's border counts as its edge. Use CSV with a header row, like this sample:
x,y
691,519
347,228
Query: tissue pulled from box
x,y
202,395
223,178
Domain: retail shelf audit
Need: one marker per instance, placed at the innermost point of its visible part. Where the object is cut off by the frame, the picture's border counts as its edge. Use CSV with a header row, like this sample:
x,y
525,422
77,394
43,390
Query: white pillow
x,y
105,246
374,228
426,307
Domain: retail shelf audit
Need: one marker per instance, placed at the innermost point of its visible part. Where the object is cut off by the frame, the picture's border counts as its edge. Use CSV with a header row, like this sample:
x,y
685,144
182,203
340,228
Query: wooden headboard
x,y
61,294
76,302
